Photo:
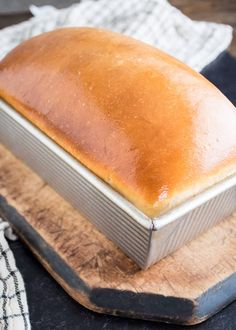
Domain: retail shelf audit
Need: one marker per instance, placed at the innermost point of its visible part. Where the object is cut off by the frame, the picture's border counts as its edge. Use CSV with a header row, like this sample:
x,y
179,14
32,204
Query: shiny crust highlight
x,y
148,125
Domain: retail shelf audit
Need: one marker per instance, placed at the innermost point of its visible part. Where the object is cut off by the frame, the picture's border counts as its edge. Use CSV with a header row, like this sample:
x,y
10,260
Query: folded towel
x,y
153,21
14,312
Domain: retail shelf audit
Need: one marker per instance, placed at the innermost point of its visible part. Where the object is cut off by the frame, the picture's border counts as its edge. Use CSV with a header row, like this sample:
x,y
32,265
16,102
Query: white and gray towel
x,y
153,21
14,312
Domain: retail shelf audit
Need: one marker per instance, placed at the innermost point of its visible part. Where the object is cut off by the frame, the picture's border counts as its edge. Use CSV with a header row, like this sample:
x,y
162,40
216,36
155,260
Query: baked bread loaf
x,y
148,125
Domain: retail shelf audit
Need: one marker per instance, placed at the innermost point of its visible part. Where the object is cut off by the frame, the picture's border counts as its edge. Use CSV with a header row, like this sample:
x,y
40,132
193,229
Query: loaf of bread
x,y
148,125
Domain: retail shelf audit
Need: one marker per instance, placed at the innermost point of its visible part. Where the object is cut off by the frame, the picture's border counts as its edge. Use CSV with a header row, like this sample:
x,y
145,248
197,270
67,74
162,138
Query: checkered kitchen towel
x,y
153,21
13,304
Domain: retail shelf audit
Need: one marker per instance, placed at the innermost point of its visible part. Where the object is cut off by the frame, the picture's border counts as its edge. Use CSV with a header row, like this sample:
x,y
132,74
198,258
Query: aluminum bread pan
x,y
144,239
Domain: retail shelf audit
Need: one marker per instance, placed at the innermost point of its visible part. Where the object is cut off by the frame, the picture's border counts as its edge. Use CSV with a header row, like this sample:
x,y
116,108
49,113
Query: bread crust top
x,y
148,125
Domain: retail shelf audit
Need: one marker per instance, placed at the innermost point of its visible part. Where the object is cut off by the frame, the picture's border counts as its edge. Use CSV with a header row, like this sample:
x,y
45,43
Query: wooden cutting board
x,y
187,287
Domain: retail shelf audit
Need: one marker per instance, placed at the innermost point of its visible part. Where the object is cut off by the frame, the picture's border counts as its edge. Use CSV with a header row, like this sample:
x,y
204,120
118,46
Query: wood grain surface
x,y
186,287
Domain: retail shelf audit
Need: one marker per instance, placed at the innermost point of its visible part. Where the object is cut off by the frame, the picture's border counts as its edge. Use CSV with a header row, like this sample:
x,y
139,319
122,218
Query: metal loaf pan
x,y
144,239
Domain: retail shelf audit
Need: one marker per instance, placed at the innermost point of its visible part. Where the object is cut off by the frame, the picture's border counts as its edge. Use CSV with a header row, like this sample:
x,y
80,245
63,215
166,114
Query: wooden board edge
x,y
146,306
219,296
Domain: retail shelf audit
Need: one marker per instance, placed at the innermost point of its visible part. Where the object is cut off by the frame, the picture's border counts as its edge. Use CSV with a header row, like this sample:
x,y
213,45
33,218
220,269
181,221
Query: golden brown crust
x,y
151,127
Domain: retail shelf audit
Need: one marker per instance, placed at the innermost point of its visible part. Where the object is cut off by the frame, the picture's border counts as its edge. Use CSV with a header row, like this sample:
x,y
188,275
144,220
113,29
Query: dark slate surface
x,y
51,308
